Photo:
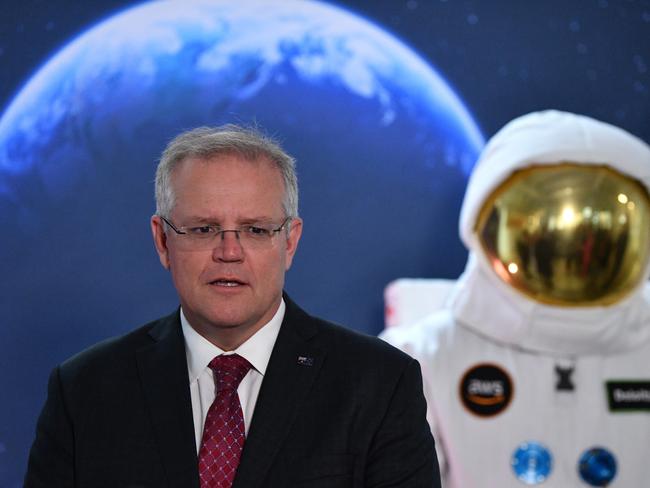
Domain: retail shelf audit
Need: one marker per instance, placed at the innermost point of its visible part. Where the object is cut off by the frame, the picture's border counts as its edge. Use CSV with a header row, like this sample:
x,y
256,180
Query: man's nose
x,y
228,246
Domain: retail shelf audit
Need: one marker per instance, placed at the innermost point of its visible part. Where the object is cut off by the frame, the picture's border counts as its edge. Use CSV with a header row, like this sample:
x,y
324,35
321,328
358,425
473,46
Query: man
x,y
298,401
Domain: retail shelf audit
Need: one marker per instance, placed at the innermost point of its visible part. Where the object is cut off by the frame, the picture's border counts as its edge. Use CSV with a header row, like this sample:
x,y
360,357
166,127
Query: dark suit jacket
x,y
352,414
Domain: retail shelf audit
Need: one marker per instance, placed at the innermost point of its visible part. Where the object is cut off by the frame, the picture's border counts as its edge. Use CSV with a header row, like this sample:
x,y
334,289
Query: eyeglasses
x,y
203,237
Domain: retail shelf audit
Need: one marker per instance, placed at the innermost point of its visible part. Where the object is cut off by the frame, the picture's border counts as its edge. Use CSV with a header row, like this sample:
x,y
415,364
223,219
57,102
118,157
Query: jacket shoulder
x,y
346,339
112,353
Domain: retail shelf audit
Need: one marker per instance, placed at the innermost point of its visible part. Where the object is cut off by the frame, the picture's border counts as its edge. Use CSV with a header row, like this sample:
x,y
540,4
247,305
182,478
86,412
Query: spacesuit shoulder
x,y
421,338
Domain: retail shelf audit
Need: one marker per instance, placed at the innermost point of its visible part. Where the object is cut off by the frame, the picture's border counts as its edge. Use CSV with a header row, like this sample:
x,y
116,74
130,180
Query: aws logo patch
x,y
486,390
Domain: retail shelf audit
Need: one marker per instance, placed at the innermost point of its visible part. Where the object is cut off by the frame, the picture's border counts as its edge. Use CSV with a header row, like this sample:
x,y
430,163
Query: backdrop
x,y
385,104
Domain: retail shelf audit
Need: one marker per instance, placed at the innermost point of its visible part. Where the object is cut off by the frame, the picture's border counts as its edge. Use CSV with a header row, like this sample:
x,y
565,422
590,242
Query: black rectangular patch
x,y
628,395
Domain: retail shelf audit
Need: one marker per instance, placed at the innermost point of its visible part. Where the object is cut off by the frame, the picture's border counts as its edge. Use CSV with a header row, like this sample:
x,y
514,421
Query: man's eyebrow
x,y
257,220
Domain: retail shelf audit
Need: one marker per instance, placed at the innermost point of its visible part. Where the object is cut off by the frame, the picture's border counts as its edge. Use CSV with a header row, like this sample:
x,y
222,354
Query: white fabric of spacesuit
x,y
490,329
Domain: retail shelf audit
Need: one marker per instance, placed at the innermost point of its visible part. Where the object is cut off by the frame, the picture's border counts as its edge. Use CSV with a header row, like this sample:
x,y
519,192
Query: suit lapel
x,y
293,366
162,367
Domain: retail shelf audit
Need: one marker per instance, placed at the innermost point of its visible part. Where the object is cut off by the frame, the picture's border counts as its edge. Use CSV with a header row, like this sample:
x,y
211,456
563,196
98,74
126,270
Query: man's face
x,y
229,291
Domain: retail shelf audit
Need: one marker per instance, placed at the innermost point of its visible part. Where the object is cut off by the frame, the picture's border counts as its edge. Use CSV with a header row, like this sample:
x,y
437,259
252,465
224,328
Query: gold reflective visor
x,y
568,234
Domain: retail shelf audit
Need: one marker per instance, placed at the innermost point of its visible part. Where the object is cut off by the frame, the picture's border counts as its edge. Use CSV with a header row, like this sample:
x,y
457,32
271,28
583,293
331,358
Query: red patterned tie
x,y
223,433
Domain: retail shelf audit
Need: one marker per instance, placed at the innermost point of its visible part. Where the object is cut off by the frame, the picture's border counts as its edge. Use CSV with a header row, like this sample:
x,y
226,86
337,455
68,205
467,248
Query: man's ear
x,y
160,240
295,232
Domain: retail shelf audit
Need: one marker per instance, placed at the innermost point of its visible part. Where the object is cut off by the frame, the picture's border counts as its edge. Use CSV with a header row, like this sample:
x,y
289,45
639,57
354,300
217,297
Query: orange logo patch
x,y
486,390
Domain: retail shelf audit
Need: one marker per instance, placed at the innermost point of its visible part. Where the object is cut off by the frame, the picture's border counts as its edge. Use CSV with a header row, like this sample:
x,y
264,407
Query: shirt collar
x,y
256,349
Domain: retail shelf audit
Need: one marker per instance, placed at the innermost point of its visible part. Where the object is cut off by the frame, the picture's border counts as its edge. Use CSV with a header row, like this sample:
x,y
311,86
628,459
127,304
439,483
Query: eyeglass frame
x,y
221,232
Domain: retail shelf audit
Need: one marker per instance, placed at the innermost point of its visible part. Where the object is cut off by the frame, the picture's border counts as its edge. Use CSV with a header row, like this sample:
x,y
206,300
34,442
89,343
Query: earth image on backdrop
x,y
383,144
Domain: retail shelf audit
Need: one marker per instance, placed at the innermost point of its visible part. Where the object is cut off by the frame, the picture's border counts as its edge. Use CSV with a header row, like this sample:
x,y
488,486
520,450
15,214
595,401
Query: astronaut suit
x,y
537,371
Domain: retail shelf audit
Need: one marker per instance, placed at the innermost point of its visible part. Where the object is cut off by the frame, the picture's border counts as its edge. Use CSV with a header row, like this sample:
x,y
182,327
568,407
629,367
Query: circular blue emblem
x,y
597,466
532,463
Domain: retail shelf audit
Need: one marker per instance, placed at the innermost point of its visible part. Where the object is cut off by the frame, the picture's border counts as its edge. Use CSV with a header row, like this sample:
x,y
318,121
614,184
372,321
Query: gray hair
x,y
205,142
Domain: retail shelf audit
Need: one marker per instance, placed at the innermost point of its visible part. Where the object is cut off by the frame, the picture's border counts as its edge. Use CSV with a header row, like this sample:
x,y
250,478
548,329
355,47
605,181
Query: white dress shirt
x,y
199,351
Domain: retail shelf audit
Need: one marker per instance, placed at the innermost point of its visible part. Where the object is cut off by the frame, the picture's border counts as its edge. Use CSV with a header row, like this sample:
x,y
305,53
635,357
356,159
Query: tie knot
x,y
229,370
